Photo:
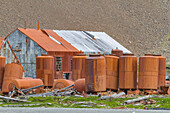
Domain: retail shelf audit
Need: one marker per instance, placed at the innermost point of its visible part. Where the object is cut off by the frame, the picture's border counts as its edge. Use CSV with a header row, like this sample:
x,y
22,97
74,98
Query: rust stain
x,y
61,83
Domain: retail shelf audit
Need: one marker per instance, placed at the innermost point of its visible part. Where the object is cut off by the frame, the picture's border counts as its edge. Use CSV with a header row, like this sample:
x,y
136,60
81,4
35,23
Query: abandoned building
x,y
24,45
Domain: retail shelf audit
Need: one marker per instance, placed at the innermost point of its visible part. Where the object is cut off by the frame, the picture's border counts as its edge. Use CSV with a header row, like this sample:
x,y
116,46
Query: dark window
x,y
58,63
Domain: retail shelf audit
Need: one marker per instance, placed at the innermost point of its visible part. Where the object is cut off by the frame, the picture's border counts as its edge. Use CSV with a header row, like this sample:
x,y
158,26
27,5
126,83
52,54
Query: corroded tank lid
x,y
81,54
94,55
157,55
148,54
128,54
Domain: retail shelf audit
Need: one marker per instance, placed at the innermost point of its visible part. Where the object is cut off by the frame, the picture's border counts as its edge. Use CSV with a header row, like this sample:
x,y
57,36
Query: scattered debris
x,y
139,99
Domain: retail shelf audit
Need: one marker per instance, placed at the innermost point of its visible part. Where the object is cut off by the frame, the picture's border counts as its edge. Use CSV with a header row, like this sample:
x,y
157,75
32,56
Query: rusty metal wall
x,y
117,52
24,83
127,72
95,74
2,68
12,71
148,72
112,72
45,69
61,83
27,52
66,59
78,67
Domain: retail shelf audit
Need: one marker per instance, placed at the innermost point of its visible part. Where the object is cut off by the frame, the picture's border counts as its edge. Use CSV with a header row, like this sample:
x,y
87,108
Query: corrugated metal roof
x,y
88,41
44,41
59,39
1,41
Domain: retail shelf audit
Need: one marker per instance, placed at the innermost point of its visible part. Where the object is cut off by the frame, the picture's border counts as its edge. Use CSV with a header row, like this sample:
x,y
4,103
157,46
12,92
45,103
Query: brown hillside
x,y
139,25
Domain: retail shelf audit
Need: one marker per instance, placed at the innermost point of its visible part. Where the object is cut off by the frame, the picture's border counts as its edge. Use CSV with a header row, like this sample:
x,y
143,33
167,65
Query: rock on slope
x,y
139,25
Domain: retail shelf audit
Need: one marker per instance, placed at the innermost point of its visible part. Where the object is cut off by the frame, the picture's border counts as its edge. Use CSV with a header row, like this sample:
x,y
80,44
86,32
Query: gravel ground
x,y
140,25
75,110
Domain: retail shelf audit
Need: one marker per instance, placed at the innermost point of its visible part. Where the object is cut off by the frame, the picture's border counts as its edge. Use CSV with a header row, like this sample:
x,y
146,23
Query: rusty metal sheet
x,y
43,40
12,71
148,72
128,72
112,70
162,70
78,67
24,83
61,83
80,85
2,69
95,74
45,69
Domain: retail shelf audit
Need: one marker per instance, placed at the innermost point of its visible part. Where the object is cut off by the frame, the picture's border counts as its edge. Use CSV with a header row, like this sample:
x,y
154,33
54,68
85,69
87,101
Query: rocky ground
x,y
142,26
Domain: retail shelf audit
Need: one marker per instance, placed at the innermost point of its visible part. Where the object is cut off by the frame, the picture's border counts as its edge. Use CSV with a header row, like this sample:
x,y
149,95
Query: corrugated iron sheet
x,y
89,42
44,41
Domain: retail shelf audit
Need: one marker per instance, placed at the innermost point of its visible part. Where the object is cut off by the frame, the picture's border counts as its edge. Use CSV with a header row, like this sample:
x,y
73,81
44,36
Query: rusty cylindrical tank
x,y
148,72
45,69
78,67
95,74
61,83
12,71
112,71
127,72
162,70
2,68
80,85
117,52
24,83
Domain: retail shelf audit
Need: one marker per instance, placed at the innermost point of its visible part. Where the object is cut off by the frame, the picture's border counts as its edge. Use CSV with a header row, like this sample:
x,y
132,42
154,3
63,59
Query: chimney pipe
x,y
25,24
38,25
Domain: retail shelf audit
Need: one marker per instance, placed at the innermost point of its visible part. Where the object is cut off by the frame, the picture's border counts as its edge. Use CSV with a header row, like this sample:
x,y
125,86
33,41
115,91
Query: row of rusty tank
x,y
11,75
113,72
152,71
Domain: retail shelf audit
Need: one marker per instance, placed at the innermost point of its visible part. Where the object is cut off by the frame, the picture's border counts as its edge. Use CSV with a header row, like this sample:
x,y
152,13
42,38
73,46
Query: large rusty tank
x,y
61,83
12,71
45,69
148,72
112,71
2,68
78,67
117,52
80,85
95,74
24,83
162,70
128,72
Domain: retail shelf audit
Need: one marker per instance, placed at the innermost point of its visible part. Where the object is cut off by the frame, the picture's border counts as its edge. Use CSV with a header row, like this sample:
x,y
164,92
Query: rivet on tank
x,y
95,73
148,72
128,71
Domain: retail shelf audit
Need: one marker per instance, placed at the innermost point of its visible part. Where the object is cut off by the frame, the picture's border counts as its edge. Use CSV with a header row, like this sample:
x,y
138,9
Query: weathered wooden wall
x,y
26,50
